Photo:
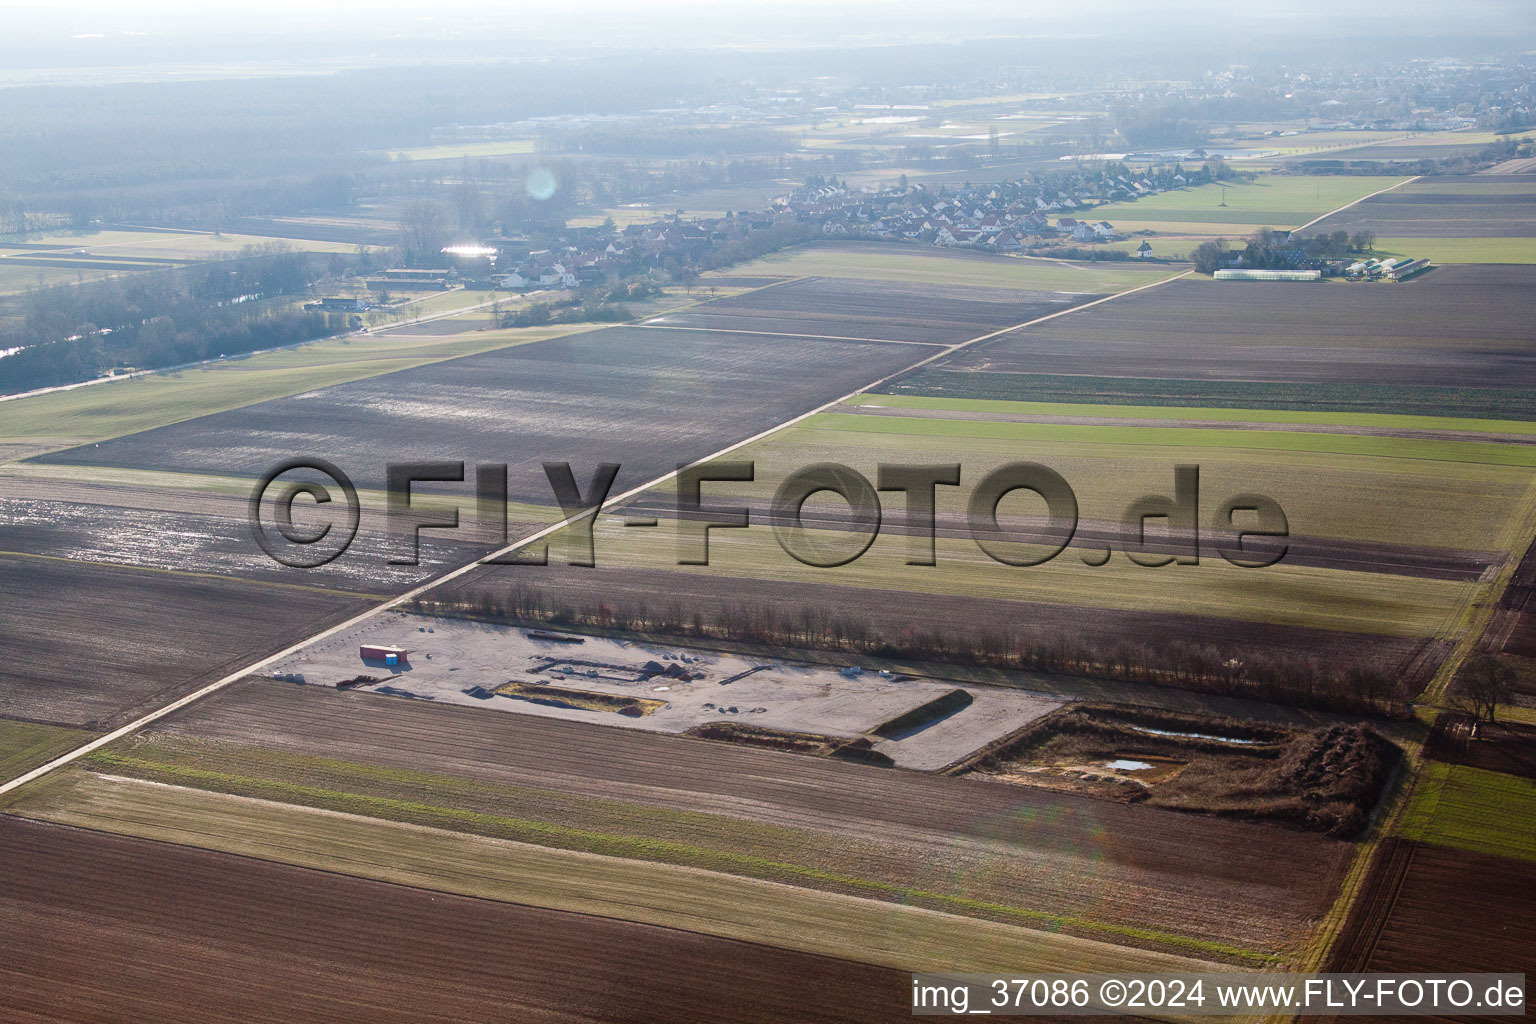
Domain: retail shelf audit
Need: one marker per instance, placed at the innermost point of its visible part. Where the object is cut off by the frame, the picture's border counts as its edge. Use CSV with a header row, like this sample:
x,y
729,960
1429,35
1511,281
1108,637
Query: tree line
x,y
165,318
1338,685
1268,249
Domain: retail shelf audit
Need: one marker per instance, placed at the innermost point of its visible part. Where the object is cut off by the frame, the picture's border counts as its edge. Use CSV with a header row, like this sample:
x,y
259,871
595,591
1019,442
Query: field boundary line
x,y
1373,195
614,502
652,325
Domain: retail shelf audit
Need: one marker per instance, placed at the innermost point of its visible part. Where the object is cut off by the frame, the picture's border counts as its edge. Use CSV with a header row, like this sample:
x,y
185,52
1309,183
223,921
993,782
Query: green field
x,y
1472,809
1355,487
1353,419
1313,142
1460,250
469,150
1457,495
21,277
1277,201
109,253
1281,595
1037,435
1476,404
184,246
921,265
25,745
124,407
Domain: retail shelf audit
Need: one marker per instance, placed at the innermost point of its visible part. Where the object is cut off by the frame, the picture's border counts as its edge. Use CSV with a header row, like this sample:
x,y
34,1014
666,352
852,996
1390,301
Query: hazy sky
x,y
39,33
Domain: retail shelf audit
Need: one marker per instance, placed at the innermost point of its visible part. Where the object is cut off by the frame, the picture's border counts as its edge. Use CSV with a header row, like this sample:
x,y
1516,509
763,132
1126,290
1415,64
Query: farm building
x,y
1269,275
345,305
389,655
1407,268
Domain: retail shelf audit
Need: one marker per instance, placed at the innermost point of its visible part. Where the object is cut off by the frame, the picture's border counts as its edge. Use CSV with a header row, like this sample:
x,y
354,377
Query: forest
x,y
165,318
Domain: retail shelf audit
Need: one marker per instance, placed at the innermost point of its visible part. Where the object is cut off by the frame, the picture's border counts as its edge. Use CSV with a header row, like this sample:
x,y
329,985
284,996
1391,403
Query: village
x,y
1023,215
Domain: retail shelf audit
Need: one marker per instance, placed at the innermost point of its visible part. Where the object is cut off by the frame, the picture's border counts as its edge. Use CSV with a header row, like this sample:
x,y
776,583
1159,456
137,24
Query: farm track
x,y
121,928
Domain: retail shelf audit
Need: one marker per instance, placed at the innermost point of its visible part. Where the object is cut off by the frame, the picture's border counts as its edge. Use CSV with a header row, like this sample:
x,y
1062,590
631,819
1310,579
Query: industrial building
x,y
1269,275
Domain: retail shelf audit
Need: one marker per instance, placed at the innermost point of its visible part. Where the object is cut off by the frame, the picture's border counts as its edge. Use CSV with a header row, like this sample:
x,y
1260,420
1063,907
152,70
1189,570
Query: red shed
x,y
383,652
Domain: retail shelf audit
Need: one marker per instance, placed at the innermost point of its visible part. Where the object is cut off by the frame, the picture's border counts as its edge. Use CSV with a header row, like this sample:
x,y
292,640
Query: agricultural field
x,y
1309,142
24,745
1474,207
1427,146
1467,808
151,246
162,525
131,405
1277,201
111,916
406,780
621,382
1036,860
1367,337
67,257
1406,572
900,265
1459,250
1429,908
16,276
120,639
841,307
466,150
149,505
1394,586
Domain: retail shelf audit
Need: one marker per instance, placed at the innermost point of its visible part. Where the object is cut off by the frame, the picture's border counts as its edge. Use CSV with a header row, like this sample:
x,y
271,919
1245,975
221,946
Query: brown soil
x,y
110,928
1132,864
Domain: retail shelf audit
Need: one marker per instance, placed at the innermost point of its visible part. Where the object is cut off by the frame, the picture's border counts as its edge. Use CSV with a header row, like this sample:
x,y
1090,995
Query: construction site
x,y
918,723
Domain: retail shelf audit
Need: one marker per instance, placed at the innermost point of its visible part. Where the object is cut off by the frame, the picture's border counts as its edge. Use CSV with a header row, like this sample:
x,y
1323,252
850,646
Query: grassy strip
x,y
1452,403
25,745
1460,250
1282,201
1220,415
1281,595
709,903
1476,452
926,265
128,406
1473,809
550,834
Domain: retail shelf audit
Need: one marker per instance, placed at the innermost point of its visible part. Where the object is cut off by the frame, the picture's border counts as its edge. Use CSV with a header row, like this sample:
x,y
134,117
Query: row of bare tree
x,y
1354,687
